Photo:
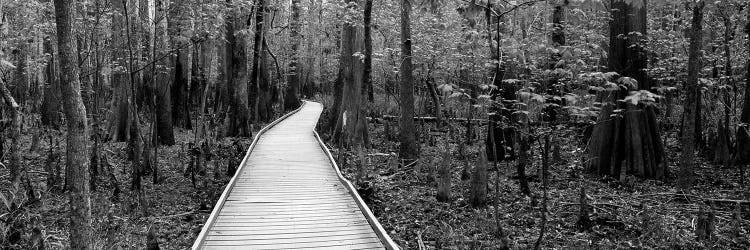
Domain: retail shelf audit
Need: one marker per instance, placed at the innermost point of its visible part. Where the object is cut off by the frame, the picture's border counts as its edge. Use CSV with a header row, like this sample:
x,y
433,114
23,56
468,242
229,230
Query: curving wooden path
x,y
288,193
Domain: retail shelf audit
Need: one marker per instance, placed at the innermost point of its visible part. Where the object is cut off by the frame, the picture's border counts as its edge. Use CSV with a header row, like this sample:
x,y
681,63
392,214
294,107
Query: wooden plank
x,y
362,246
232,202
287,223
320,205
292,217
289,211
288,197
323,225
289,238
301,243
293,231
269,210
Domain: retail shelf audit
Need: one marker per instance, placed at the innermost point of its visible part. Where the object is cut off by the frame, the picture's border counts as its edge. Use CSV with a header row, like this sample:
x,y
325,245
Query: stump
x,y
705,224
444,176
479,183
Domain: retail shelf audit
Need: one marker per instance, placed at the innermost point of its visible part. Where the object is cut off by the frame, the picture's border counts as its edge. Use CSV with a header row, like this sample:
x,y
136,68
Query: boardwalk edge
x,y
374,223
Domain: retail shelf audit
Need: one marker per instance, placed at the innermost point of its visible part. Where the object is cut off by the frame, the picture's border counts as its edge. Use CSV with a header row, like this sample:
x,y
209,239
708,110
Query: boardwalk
x,y
288,194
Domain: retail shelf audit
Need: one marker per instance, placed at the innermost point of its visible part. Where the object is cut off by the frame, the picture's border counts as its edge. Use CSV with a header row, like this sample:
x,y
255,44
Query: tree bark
x,y
51,104
291,98
237,62
479,182
435,100
743,133
162,85
22,75
267,93
626,30
687,160
77,158
180,89
722,149
180,29
263,96
558,25
120,117
350,128
368,51
628,142
14,134
407,131
444,176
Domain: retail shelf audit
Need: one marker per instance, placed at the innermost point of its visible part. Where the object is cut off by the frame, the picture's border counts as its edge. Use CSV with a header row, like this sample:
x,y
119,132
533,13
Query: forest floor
x,y
174,209
637,214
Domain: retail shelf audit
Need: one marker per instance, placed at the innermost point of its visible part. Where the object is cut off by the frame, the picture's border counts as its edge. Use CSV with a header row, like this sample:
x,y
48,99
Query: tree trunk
x,y
524,159
238,79
368,51
687,160
628,143
435,100
743,133
120,118
444,175
181,26
14,134
558,26
407,131
291,98
51,104
350,128
22,75
721,151
77,158
266,93
162,85
503,96
626,30
258,52
180,89
479,182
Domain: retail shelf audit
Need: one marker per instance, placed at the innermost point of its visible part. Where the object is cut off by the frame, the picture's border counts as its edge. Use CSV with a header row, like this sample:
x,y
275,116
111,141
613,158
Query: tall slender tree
x,y
367,77
407,131
77,155
687,161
